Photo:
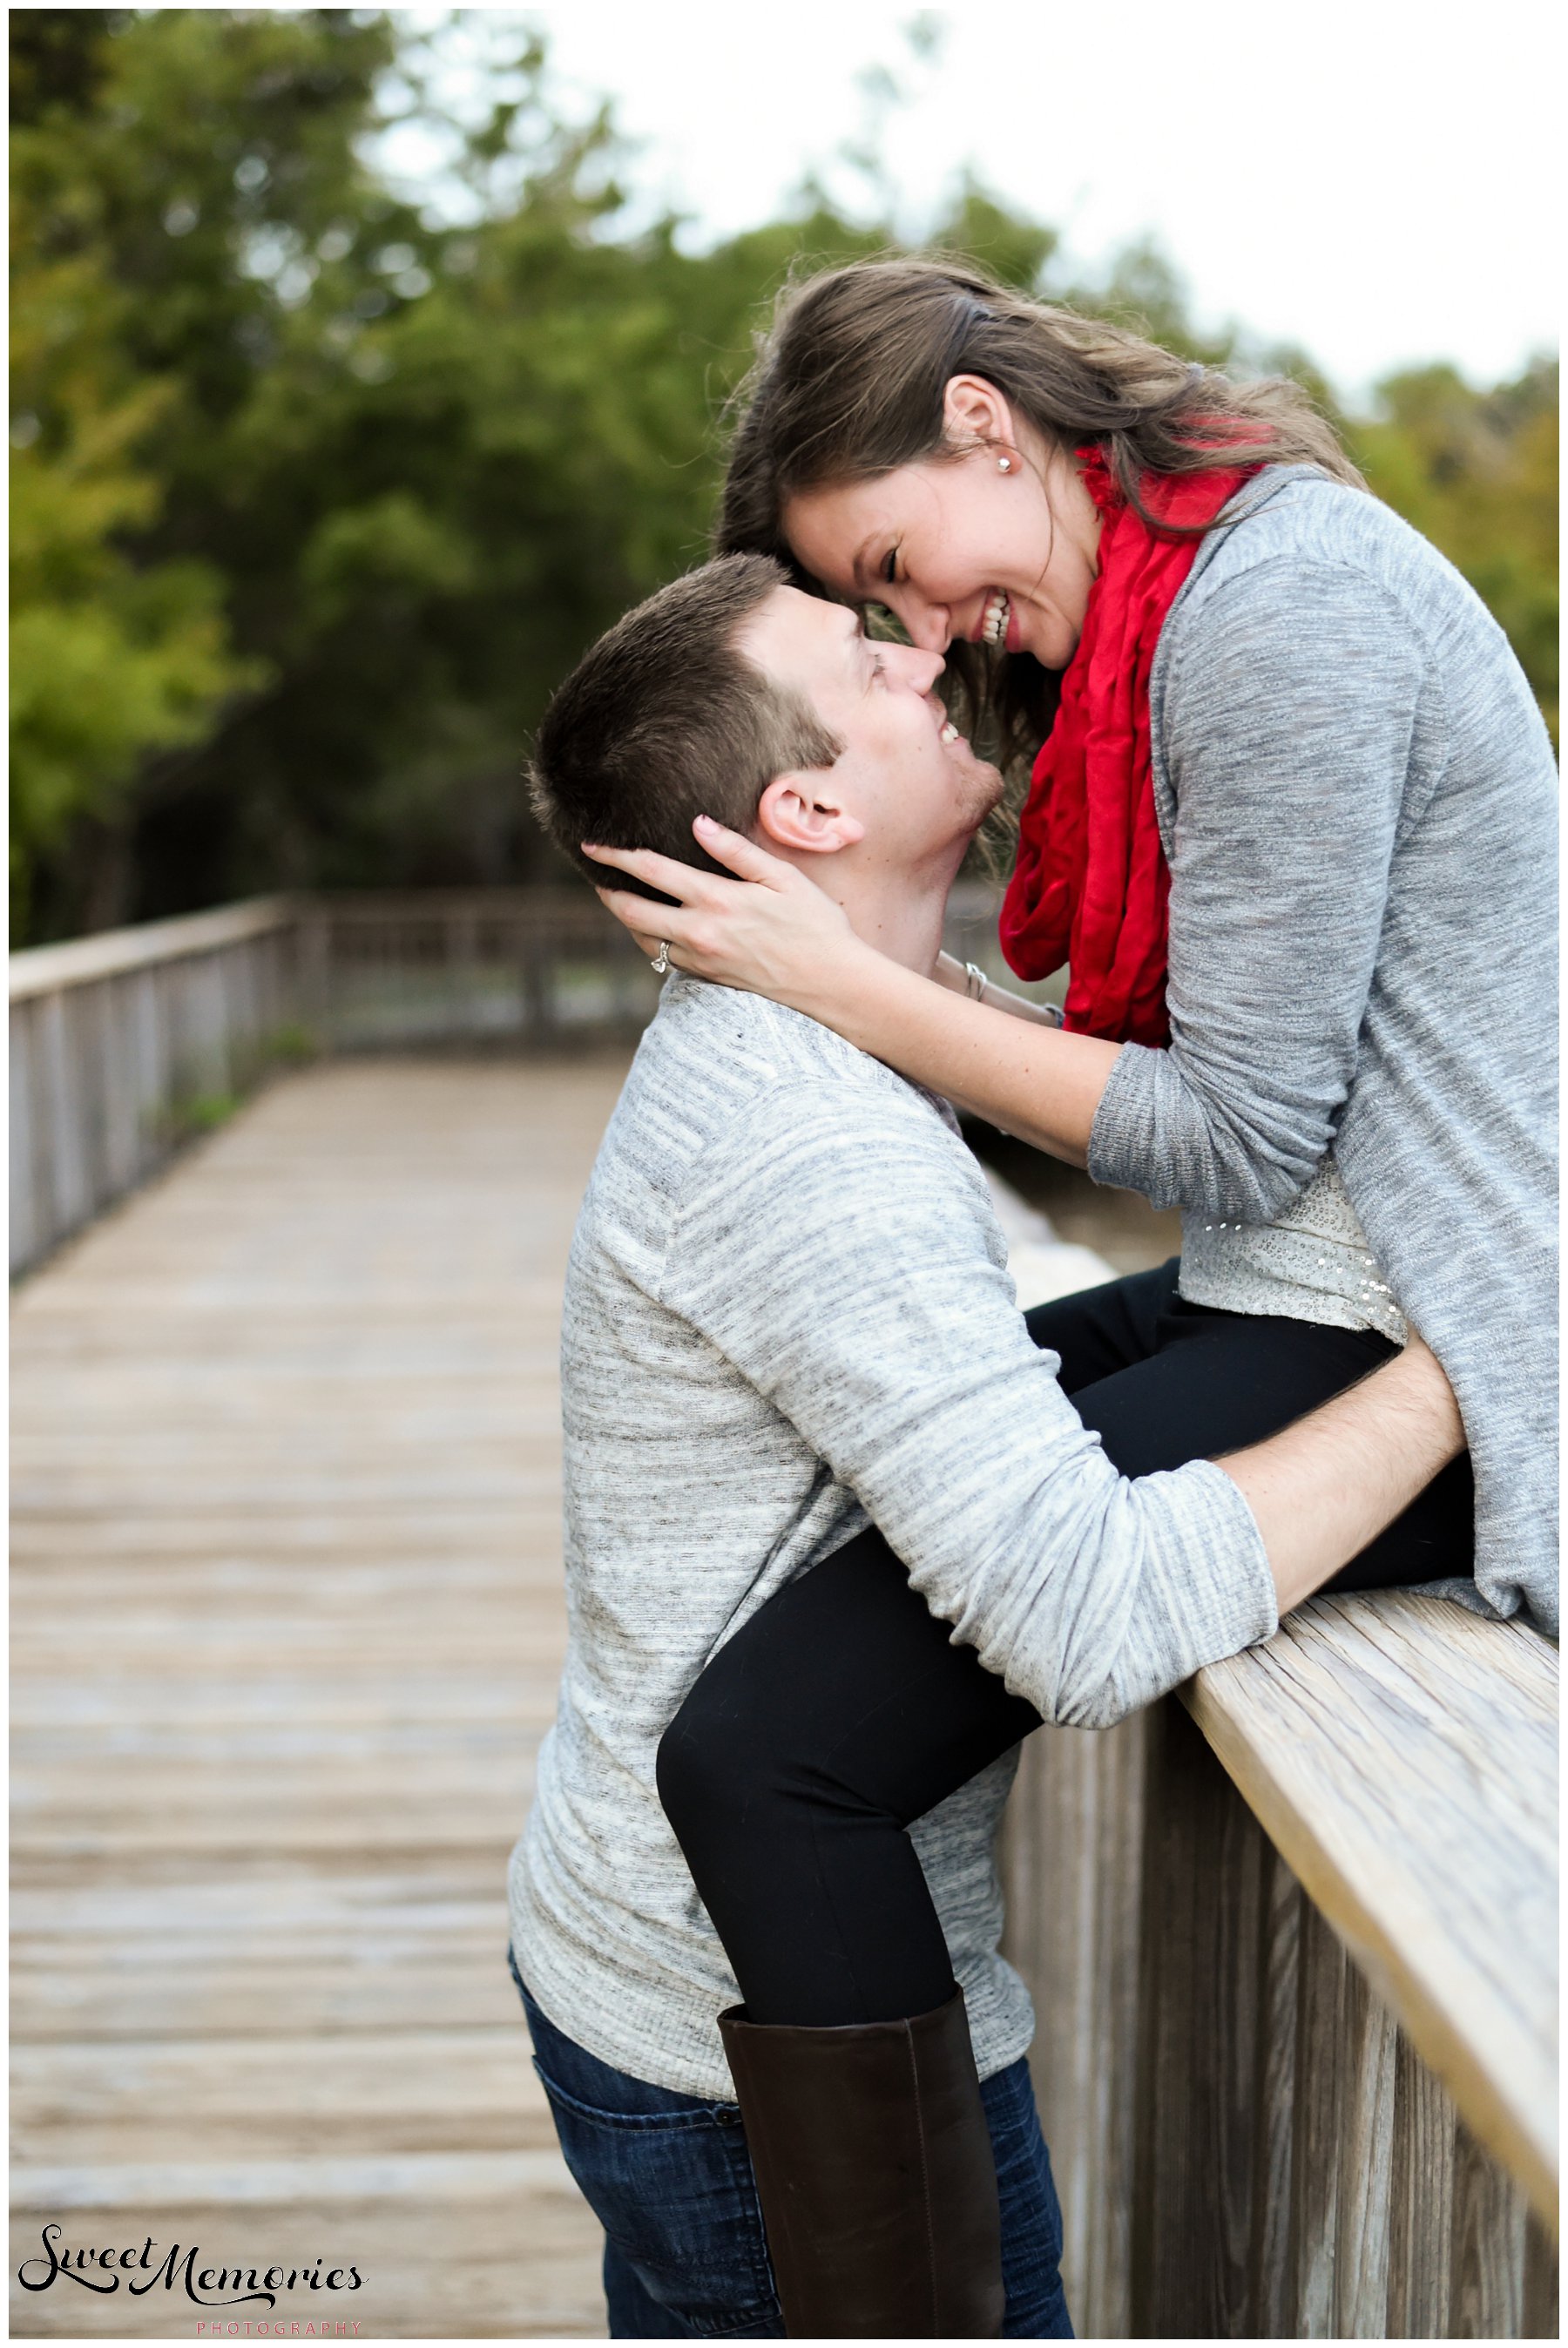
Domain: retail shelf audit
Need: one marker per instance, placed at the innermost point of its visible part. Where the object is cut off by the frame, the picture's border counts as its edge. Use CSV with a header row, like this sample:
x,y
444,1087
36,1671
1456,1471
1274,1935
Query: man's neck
x,y
899,912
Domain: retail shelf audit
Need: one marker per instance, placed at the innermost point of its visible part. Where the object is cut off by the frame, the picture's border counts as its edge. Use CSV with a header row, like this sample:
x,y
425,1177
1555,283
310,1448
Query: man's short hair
x,y
664,719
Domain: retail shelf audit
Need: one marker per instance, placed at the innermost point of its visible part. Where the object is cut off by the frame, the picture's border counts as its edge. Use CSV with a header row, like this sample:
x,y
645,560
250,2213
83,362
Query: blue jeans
x,y
669,2179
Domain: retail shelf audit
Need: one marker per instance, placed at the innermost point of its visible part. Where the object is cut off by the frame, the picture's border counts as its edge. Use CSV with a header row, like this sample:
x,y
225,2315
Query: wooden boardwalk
x,y
286,1628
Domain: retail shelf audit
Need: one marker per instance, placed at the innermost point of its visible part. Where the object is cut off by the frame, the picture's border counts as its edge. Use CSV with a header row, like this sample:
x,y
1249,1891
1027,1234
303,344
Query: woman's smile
x,y
997,624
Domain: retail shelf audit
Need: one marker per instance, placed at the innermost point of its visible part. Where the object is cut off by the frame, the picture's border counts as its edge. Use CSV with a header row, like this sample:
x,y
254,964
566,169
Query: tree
x,y
167,170
110,660
1476,472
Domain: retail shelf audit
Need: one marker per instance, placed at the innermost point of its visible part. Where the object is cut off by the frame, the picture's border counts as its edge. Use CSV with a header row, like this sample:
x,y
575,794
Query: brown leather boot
x,y
875,2171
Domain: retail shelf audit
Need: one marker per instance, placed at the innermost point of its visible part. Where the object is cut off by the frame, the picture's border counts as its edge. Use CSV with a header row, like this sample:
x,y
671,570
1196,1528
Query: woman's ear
x,y
795,813
975,414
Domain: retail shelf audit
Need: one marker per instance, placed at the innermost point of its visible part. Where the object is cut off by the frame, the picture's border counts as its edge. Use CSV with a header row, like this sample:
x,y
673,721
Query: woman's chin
x,y
1053,648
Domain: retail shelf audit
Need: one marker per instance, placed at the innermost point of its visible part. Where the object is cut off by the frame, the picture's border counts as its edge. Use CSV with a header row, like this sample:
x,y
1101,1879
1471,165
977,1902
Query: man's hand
x,y
1324,1488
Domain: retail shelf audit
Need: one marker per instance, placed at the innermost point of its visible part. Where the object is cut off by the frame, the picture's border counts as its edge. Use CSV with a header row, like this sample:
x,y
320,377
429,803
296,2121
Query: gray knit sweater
x,y
787,1309
1358,798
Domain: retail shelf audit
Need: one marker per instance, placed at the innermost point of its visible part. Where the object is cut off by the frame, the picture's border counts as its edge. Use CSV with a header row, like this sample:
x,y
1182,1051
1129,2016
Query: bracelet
x,y
974,982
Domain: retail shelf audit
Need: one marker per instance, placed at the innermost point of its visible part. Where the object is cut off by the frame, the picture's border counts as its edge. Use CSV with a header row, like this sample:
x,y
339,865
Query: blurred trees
x,y
1476,472
314,501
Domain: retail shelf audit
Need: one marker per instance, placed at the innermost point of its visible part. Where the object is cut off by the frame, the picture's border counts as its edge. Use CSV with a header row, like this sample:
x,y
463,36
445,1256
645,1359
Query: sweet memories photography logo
x,y
139,2272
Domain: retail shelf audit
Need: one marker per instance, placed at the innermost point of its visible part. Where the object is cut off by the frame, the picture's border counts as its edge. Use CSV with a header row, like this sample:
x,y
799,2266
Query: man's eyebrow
x,y
856,642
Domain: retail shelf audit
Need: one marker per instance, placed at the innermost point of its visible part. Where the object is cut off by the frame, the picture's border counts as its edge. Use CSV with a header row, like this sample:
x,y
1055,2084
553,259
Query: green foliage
x,y
207,1111
110,659
314,501
292,1044
1476,472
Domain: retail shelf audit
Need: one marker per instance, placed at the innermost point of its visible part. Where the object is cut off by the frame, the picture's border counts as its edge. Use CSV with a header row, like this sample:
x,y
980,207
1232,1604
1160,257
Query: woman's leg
x,y
1231,1379
775,1760
839,1713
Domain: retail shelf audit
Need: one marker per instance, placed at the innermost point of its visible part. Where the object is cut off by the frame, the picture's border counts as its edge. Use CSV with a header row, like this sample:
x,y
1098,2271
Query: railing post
x,y
461,944
69,1200
313,943
26,1235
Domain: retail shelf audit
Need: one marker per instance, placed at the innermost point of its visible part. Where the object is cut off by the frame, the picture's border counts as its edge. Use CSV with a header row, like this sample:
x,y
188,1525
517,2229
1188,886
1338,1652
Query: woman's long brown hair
x,y
849,382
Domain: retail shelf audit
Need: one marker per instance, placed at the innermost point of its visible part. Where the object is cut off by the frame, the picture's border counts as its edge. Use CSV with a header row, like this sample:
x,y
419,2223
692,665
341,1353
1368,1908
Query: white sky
x,y
1377,182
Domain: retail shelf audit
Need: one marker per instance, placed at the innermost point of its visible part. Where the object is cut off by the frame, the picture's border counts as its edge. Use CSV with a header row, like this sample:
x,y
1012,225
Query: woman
x,y
1291,828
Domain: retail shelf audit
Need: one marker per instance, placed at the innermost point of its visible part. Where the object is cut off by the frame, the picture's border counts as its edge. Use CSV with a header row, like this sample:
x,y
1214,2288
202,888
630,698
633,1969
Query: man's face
x,y
906,773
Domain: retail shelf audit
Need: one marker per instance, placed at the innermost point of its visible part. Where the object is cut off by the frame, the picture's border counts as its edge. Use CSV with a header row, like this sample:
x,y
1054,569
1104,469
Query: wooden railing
x,y
1292,1943
125,1044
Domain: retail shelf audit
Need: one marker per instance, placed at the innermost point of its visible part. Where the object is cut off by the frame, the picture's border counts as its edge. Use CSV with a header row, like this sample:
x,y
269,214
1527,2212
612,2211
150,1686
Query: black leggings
x,y
841,1712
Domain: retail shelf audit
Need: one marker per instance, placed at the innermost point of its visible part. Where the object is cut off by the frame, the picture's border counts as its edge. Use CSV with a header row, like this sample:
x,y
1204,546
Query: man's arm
x,y
1321,1489
841,1249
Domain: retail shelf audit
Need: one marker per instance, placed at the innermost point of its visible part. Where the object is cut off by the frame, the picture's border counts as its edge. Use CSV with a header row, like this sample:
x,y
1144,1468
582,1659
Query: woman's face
x,y
957,549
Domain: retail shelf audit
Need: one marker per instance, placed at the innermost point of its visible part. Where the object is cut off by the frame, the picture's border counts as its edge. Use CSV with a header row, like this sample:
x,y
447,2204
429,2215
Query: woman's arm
x,y
1024,1078
775,932
1302,720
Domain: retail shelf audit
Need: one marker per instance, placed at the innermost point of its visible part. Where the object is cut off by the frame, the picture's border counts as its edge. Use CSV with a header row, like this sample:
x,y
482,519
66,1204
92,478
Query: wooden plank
x,y
1541,2295
1073,1862
1317,2130
287,1621
1420,2201
1488,2216
1402,1754
1199,2044
1274,2175
1365,2162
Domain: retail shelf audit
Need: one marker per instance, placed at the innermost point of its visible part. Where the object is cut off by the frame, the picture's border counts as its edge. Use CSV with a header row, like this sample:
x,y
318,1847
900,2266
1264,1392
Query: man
x,y
787,1311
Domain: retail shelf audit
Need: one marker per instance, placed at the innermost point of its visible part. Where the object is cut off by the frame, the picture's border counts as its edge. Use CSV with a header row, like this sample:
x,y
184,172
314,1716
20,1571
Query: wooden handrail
x,y
42,970
1401,1755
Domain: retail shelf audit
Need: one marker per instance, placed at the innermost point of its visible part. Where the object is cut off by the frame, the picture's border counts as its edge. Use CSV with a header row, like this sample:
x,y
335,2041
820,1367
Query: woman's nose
x,y
928,627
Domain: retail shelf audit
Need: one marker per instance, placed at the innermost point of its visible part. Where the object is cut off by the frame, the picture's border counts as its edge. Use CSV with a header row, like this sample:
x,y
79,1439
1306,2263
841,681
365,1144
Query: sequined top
x,y
1312,1262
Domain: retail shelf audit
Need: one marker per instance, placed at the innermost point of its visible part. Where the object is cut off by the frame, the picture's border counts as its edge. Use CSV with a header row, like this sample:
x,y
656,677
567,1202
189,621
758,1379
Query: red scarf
x,y
1090,886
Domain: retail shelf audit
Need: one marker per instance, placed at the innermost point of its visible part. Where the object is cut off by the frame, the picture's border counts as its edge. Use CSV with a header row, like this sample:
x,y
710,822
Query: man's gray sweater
x,y
788,1310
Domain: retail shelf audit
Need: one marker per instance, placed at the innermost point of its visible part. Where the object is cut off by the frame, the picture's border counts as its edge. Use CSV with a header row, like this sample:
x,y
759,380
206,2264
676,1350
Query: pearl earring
x,y
1004,464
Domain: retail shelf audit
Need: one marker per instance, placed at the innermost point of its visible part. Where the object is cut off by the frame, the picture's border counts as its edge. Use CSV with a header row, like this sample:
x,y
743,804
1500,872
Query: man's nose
x,y
921,669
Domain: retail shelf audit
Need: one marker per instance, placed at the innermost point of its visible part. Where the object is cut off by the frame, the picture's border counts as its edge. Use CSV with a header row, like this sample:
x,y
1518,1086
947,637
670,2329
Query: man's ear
x,y
804,813
974,410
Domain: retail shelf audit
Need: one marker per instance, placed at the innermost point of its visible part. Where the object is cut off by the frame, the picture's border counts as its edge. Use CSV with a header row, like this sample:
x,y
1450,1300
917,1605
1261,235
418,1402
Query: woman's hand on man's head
x,y
769,932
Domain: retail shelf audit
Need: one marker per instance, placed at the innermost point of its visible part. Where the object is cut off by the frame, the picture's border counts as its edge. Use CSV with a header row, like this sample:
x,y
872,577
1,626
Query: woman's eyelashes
x,y
889,572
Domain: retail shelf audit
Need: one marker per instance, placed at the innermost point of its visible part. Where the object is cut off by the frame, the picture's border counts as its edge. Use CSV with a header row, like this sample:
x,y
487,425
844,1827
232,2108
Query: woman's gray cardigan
x,y
1357,797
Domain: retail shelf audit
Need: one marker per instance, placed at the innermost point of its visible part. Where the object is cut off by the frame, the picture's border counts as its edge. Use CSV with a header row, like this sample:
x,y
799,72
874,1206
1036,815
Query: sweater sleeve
x,y
842,1253
1289,712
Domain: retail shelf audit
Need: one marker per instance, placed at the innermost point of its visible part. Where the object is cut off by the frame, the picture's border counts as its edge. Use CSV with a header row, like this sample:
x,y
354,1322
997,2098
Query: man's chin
x,y
989,792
